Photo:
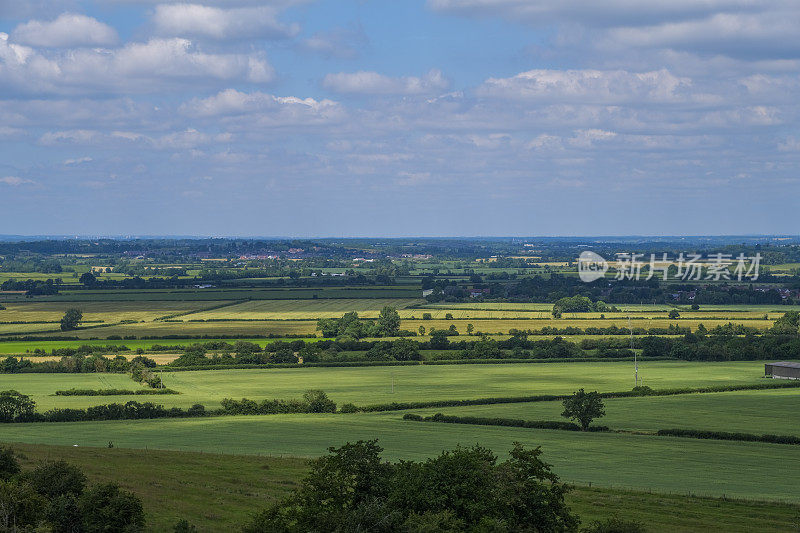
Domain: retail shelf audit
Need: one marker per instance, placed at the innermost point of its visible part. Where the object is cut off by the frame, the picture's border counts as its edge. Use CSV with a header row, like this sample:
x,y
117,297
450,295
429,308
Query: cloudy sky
x,y
394,118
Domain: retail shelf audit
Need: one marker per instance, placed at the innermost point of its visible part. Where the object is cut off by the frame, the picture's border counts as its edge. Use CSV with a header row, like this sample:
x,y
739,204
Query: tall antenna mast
x,y
635,360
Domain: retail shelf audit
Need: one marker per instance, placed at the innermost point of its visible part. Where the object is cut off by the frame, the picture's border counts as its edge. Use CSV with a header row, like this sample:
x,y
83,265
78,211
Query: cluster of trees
x,y
32,287
465,489
350,325
313,401
55,496
694,347
579,304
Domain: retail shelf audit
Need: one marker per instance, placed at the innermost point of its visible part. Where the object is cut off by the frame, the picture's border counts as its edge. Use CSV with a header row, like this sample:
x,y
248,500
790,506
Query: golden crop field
x,y
109,312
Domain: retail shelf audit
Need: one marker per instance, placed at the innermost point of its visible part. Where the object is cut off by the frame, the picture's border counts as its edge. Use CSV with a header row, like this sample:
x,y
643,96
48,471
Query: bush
x,y
9,465
348,408
107,508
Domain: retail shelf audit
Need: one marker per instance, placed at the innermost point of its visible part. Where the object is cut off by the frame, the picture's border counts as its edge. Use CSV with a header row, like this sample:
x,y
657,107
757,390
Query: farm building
x,y
782,370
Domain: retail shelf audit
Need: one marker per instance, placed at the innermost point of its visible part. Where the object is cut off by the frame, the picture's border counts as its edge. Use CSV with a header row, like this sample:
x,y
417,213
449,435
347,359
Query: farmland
x,y
235,328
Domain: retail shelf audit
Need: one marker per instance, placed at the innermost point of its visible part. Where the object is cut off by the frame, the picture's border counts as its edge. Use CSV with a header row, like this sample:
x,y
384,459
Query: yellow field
x,y
106,311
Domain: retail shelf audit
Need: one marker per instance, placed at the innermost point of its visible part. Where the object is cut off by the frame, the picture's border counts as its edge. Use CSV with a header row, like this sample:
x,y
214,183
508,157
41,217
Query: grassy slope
x,y
642,462
218,493
371,385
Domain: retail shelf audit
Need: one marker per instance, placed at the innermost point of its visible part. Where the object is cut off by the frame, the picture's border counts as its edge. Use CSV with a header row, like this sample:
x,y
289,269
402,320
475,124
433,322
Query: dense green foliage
x,y
466,489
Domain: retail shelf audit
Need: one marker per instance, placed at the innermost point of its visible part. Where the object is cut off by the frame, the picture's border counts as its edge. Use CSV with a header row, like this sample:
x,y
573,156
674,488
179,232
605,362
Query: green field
x,y
663,464
218,492
755,411
372,385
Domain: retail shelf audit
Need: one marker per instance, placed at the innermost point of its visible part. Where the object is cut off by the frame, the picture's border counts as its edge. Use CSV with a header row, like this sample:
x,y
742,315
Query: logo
x,y
591,266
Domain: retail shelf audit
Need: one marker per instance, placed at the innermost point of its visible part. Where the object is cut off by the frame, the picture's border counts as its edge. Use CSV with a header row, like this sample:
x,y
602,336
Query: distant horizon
x,y
47,236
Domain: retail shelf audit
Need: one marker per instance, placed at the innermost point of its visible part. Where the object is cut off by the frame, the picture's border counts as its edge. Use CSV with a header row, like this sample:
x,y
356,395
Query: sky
x,y
399,117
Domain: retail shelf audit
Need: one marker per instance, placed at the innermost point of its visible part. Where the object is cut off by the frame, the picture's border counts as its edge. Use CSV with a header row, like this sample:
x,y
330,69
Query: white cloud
x,y
373,83
592,86
193,20
136,67
14,181
77,161
68,30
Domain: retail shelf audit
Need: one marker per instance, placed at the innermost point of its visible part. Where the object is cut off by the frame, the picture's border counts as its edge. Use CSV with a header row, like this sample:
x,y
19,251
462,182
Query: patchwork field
x,y
304,309
109,312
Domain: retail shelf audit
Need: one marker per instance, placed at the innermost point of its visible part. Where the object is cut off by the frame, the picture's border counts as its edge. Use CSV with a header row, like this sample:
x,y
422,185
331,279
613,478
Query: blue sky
x,y
394,118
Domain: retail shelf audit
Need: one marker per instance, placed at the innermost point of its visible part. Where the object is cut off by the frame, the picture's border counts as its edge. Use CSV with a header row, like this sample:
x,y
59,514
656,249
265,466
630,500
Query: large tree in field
x,y
584,407
71,319
389,321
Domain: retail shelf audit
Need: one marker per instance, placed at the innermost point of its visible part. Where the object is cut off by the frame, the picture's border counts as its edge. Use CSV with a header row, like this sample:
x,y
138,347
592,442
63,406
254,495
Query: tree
x,y
583,407
106,508
674,313
57,478
556,312
318,402
71,319
439,340
88,279
470,329
421,330
389,321
15,406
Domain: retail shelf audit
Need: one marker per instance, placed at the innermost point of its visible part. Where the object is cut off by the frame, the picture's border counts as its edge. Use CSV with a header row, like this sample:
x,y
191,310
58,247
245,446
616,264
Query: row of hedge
x,y
115,411
724,435
114,392
505,422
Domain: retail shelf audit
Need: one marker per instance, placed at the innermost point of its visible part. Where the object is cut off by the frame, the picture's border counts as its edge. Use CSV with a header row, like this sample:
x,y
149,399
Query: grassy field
x,y
641,462
161,329
218,492
764,411
372,385
304,309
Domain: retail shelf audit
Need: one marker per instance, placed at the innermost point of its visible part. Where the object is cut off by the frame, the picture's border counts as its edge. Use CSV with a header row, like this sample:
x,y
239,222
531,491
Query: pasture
x,y
754,411
374,385
641,462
